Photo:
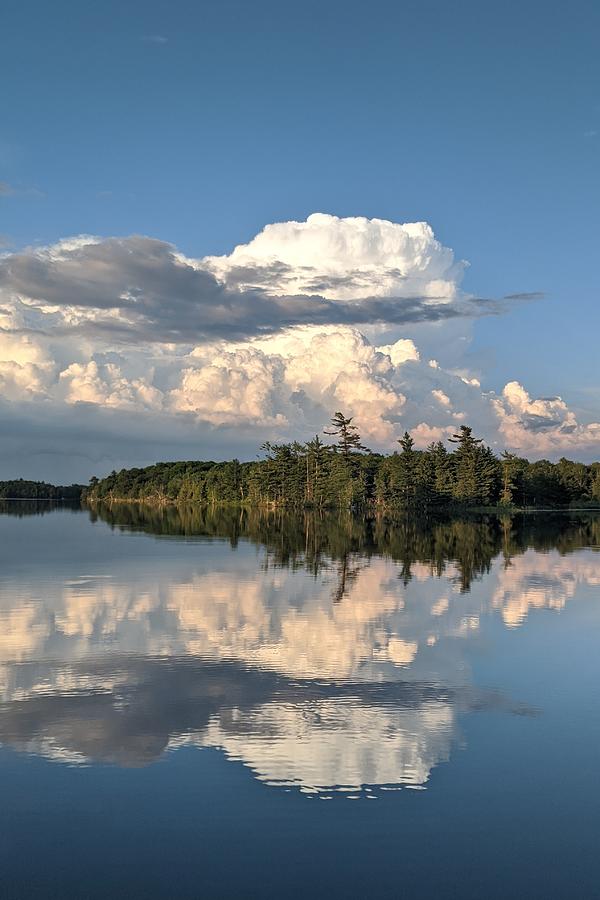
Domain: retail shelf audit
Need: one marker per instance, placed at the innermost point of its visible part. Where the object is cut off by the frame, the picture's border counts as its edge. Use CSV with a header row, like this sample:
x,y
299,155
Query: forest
x,y
345,474
19,489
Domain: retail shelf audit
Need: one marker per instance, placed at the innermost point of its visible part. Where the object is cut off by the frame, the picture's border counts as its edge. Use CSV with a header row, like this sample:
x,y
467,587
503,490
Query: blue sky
x,y
200,123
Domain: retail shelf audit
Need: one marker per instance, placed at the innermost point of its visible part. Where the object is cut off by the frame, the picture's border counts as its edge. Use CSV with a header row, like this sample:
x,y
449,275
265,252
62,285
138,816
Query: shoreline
x,y
158,502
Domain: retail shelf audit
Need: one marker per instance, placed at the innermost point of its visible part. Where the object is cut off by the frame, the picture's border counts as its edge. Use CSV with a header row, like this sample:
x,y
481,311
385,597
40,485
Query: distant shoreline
x,y
23,489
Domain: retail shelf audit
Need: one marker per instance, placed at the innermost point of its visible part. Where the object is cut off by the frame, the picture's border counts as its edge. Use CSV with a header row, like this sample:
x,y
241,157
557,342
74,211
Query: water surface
x,y
181,690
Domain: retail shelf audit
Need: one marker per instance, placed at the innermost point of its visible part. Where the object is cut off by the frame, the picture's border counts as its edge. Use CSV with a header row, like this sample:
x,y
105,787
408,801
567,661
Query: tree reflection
x,y
316,540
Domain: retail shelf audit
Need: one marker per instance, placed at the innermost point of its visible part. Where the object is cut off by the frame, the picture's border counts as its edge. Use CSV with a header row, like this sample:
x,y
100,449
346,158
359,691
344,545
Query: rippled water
x,y
180,690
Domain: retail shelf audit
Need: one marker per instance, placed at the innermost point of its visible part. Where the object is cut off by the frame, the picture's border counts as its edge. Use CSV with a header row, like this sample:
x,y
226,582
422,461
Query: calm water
x,y
202,705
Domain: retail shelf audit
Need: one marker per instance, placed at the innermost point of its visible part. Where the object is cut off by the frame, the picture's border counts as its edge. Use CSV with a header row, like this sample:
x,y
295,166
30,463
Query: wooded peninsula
x,y
345,474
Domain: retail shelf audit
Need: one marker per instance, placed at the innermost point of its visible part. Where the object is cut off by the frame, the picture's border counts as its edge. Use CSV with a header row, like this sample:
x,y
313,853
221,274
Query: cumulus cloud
x,y
293,381
441,397
323,271
344,259
264,343
26,369
105,385
424,434
543,425
231,396
229,387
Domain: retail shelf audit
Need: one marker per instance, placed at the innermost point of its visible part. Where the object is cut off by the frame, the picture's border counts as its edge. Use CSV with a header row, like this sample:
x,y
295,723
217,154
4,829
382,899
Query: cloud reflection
x,y
306,684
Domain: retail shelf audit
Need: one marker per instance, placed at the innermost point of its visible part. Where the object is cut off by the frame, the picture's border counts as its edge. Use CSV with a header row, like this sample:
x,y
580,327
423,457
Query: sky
x,y
221,222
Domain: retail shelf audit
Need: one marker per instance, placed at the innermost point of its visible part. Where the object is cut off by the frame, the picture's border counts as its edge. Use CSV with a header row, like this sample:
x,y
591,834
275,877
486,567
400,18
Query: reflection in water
x,y
326,653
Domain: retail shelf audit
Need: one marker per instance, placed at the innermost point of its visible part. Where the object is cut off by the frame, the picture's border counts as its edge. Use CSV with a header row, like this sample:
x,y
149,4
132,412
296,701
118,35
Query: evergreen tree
x,y
317,471
340,484
442,471
487,476
347,434
465,459
404,486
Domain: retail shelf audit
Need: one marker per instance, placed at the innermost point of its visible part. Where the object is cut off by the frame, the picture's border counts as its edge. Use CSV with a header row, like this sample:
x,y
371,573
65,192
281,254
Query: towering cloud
x,y
325,270
263,343
344,259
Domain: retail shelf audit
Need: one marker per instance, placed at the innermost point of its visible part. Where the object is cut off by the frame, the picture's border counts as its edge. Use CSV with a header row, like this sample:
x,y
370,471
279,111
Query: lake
x,y
222,703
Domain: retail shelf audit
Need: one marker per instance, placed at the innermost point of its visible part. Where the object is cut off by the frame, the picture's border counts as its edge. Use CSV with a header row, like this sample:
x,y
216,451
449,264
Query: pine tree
x,y
487,476
442,469
407,443
347,434
404,486
465,464
475,468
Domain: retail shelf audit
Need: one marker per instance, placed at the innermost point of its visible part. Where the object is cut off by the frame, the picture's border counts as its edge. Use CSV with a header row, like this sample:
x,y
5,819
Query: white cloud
x,y
441,397
296,379
105,385
424,434
344,259
401,351
285,388
544,425
326,270
26,370
306,318
231,387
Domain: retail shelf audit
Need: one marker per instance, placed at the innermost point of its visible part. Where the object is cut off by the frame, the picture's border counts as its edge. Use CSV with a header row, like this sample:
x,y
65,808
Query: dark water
x,y
230,705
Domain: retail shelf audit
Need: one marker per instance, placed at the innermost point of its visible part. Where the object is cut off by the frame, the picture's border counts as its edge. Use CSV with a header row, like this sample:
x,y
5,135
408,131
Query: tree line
x,y
345,474
20,489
